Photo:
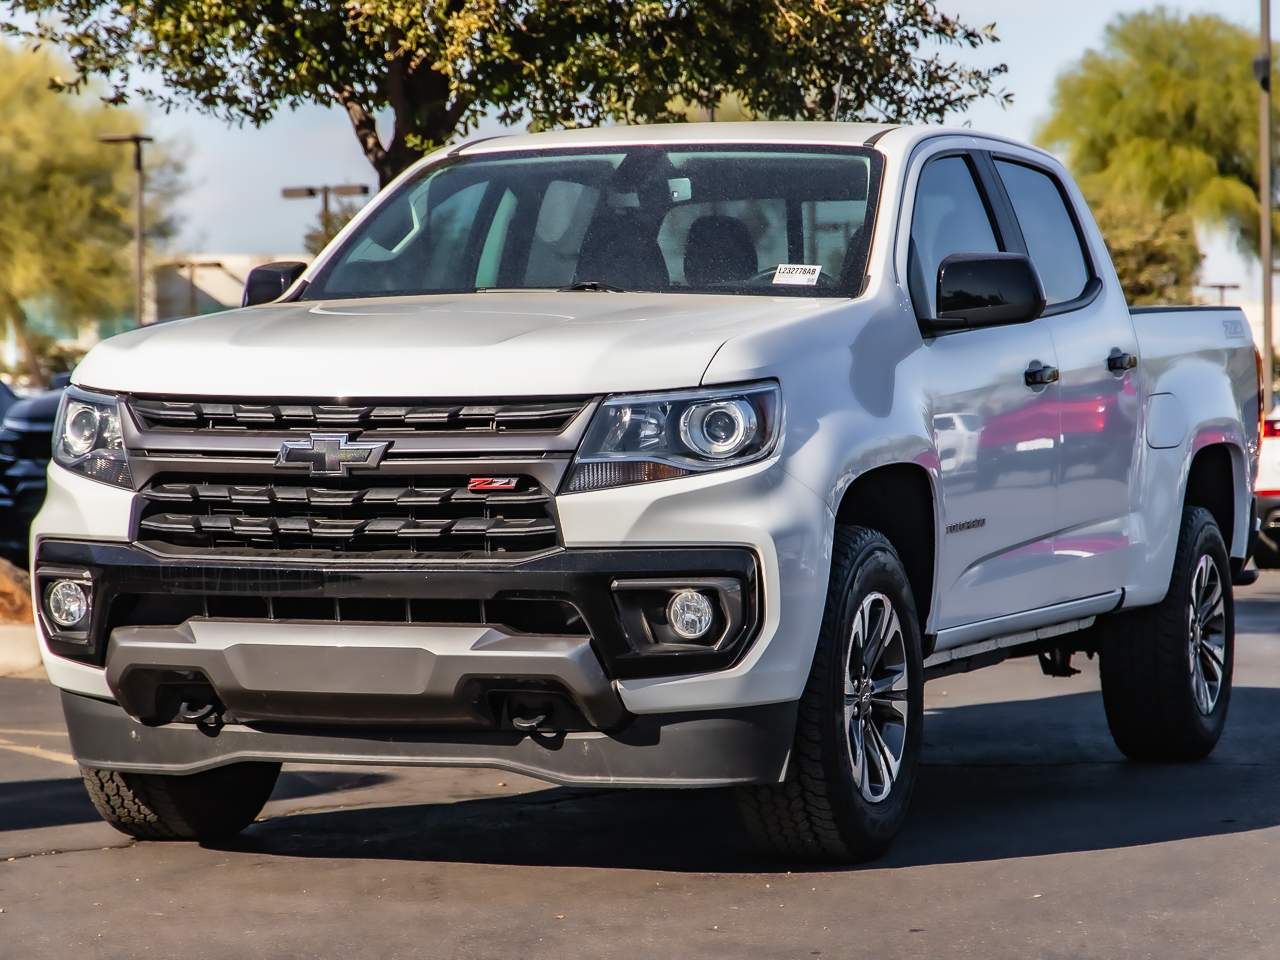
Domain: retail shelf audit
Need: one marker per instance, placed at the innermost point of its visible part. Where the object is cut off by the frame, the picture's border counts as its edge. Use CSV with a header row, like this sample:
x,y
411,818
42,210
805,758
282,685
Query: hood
x,y
491,344
34,413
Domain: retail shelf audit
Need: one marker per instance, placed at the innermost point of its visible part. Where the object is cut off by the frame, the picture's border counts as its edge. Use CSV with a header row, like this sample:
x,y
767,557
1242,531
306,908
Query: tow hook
x,y
529,724
206,716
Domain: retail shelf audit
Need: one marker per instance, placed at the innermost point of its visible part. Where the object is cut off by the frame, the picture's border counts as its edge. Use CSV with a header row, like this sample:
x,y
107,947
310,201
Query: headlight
x,y
87,438
660,436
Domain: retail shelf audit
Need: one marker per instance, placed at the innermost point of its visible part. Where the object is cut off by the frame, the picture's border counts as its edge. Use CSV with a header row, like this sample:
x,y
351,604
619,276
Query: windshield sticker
x,y
797,274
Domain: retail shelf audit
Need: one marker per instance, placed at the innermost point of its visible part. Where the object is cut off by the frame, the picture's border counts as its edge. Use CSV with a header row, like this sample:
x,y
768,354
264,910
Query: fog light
x,y
68,603
690,614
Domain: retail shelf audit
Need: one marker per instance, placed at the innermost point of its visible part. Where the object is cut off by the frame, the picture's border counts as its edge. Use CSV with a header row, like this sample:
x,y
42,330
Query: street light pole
x,y
1222,289
1262,69
324,192
139,254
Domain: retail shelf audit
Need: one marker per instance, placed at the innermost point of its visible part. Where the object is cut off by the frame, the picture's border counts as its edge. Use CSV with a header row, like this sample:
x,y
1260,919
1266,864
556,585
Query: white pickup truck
x,y
669,456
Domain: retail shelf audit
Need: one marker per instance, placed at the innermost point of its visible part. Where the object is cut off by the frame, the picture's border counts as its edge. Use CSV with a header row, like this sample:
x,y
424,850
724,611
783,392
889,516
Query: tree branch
x,y
365,126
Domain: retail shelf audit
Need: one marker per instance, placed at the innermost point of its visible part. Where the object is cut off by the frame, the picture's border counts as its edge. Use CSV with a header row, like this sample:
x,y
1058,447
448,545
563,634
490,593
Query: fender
x,y
1189,406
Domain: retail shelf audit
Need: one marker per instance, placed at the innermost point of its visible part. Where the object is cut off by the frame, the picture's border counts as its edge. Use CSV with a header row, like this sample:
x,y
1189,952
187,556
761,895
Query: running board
x,y
984,653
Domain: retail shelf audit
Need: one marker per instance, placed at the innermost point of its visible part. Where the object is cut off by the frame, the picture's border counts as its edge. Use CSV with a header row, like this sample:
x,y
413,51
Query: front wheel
x,y
213,805
1166,669
858,729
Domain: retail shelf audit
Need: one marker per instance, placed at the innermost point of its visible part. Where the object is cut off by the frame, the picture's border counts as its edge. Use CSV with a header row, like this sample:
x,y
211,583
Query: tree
x,y
1166,112
1155,253
65,203
327,226
437,66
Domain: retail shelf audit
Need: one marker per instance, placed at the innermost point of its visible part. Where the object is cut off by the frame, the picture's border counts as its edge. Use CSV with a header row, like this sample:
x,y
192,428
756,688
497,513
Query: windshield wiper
x,y
594,286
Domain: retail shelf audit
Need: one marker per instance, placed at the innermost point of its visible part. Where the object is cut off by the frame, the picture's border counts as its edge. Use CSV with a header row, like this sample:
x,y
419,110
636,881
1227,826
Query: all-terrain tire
x,y
1265,553
819,812
1148,682
213,805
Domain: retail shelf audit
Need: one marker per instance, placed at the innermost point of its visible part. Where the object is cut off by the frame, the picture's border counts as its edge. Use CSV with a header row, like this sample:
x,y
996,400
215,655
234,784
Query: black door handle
x,y
1040,375
1118,361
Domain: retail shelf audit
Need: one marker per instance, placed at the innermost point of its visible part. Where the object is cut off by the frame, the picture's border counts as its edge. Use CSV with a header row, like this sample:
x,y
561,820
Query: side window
x,y
563,217
495,243
949,217
448,225
1047,227
829,225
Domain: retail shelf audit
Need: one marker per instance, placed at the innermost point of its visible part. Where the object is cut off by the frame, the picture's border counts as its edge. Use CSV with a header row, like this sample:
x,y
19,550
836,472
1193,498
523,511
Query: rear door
x,y
997,483
1097,353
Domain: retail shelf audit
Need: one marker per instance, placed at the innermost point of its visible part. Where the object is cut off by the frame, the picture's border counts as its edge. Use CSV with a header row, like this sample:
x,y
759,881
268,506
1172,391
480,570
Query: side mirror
x,y
269,281
986,290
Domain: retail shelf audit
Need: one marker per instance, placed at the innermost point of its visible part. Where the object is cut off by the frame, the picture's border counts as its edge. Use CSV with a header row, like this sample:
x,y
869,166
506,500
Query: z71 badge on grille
x,y
330,454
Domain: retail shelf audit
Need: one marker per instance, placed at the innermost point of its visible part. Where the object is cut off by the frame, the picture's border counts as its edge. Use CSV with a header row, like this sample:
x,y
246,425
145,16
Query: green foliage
x,y
439,65
1154,252
327,227
66,204
1166,112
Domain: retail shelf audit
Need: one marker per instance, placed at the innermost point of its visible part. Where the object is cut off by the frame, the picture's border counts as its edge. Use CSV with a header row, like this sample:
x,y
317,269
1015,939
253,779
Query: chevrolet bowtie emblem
x,y
330,454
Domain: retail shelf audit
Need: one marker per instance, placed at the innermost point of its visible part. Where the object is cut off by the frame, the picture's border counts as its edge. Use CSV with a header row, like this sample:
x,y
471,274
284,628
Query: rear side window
x,y
949,217
1048,228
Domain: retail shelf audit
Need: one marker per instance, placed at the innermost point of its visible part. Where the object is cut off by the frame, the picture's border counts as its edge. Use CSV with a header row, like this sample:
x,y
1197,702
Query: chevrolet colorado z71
x,y
668,456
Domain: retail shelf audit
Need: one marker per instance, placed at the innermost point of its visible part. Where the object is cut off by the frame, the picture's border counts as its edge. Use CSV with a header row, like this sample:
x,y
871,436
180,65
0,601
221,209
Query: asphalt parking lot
x,y
1030,837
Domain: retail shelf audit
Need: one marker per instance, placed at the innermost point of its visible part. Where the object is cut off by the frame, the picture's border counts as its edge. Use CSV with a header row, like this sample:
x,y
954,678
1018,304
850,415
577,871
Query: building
x,y
199,283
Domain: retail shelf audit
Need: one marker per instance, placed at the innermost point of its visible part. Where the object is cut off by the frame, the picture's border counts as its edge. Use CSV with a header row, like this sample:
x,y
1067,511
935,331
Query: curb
x,y
19,653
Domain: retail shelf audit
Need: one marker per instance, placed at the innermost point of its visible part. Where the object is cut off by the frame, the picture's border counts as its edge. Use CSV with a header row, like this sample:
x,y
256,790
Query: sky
x,y
235,174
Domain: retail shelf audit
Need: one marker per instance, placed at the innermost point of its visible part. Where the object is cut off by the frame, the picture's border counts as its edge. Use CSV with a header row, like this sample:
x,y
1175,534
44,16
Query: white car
x,y
614,457
957,435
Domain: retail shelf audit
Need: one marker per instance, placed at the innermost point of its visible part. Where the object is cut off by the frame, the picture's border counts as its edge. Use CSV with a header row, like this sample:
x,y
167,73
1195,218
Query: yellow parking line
x,y
40,753
27,731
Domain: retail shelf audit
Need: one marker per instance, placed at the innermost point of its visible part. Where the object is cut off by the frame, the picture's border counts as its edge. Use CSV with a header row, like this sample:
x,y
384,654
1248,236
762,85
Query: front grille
x,y
35,445
516,416
434,517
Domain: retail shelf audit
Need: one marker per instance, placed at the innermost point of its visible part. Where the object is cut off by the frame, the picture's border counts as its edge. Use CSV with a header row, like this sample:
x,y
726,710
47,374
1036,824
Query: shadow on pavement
x,y
31,804
1018,779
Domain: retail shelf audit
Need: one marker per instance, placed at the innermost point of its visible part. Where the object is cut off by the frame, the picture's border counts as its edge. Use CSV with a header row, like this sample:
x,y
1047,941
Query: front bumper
x,y
722,748
206,691
133,587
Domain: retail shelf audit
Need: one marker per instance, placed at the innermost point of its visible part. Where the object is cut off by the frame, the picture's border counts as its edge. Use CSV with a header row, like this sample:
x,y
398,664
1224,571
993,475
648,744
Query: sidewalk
x,y
19,655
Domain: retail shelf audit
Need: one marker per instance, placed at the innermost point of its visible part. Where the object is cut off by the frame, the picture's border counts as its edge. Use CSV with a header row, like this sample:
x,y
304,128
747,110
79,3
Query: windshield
x,y
741,220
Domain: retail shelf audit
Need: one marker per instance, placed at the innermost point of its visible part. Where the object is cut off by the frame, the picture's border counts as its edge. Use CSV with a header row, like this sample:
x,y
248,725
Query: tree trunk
x,y
18,324
422,111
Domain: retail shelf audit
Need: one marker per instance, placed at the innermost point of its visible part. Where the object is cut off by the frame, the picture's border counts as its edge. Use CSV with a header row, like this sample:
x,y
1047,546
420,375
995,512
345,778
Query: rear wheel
x,y
1166,669
858,730
1265,553
213,805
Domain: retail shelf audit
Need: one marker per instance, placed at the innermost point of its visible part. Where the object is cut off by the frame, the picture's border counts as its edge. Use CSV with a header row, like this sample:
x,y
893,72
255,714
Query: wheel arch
x,y
899,501
1216,481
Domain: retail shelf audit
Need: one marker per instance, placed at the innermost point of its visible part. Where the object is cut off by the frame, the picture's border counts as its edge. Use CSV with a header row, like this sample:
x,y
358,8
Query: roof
x,y
729,132
901,139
